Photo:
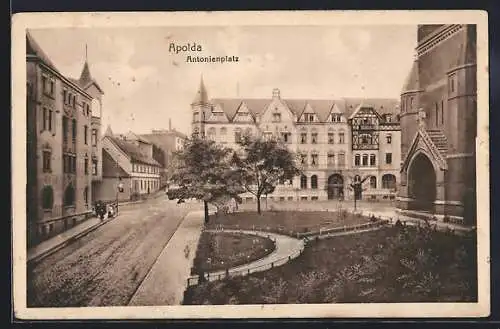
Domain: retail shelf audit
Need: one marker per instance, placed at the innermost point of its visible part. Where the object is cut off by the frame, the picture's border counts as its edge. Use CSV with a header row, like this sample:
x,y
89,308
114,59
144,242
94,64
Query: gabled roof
x,y
133,151
33,49
322,108
110,168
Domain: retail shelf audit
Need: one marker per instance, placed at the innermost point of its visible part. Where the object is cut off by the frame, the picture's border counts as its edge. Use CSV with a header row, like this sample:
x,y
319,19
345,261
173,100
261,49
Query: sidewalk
x,y
48,247
167,279
287,248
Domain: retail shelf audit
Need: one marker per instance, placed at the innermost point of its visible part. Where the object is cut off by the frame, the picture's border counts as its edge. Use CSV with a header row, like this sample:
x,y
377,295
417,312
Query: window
x,y
86,166
211,133
330,159
74,130
314,160
46,161
365,139
388,118
314,182
69,196
388,138
357,160
373,182
237,135
85,134
372,159
276,117
314,138
341,159
86,194
311,117
341,138
196,116
303,159
94,137
411,103
223,131
47,117
47,197
303,182
388,158
442,112
452,83
65,128
331,138
94,167
303,138
436,114
336,118
365,160
287,137
389,181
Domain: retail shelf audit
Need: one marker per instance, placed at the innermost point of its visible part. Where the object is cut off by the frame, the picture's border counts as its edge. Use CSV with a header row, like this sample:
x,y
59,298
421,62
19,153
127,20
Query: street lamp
x,y
119,185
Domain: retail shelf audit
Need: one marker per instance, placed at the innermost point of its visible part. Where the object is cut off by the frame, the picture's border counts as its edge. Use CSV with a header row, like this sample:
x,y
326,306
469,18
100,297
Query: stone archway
x,y
335,187
422,183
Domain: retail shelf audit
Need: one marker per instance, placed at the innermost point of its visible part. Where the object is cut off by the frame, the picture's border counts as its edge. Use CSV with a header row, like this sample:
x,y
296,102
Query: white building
x,y
336,140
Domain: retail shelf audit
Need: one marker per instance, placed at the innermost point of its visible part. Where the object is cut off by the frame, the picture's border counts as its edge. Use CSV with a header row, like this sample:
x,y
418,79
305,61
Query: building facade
x,y
165,144
438,122
332,139
60,119
133,156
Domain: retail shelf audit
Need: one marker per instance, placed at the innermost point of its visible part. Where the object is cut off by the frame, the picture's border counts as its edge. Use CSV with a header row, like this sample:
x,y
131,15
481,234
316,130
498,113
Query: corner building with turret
x,y
438,126
335,140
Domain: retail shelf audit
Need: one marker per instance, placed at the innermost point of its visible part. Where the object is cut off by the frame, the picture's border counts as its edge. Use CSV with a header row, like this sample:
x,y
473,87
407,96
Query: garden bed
x,y
221,250
286,222
384,266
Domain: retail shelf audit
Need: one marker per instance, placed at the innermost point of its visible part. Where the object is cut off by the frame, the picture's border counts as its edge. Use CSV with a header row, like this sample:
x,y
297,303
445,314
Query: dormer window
x,y
276,117
388,118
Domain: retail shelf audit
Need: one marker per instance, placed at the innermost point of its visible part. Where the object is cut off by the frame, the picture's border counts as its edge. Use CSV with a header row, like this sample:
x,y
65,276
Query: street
x,y
105,267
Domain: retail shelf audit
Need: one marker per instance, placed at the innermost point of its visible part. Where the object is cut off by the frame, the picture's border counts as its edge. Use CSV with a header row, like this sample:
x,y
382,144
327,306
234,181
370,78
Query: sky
x,y
145,85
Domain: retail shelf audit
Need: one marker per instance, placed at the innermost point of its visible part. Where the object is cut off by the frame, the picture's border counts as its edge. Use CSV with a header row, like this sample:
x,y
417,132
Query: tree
x,y
260,164
203,171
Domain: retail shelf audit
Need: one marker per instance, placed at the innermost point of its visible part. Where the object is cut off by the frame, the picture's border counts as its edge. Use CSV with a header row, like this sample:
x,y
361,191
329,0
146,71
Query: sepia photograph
x,y
250,165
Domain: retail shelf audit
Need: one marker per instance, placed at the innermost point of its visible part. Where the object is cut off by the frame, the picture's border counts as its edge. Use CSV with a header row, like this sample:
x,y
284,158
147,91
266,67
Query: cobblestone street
x,y
105,267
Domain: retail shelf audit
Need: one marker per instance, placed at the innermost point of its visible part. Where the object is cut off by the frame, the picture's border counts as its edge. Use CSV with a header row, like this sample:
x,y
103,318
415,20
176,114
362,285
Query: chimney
x,y
276,93
169,124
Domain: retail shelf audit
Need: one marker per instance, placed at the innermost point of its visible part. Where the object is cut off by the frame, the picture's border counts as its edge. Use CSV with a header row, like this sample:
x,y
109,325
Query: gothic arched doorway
x,y
422,183
335,187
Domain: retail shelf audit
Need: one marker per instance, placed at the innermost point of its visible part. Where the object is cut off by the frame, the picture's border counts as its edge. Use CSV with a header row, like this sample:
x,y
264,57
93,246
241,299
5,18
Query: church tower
x,y
201,110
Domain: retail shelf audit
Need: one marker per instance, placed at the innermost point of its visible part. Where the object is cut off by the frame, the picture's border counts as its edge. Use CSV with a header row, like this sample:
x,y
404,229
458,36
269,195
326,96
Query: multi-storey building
x,y
332,138
438,122
129,162
165,144
60,118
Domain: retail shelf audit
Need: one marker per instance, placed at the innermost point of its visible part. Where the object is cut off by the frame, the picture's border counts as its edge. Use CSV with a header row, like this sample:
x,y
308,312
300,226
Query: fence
x,y
214,276
340,229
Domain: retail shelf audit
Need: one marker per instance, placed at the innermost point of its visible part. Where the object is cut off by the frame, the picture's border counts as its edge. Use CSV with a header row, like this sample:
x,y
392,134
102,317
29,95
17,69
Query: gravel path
x,y
105,267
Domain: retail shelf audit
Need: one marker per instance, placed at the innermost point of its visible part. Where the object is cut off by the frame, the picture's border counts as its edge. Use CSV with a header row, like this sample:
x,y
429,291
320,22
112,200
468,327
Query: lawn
x,y
388,265
222,250
286,222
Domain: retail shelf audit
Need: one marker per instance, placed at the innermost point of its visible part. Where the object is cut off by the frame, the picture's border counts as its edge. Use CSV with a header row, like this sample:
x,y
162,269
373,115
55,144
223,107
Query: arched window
x,y
223,131
314,181
69,196
86,194
365,159
373,182
357,160
47,197
389,181
303,182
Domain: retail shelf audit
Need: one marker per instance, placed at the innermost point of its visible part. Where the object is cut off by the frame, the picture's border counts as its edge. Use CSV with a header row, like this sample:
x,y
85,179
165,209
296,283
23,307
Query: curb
x,y
35,260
